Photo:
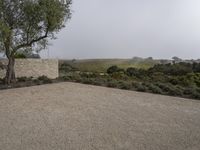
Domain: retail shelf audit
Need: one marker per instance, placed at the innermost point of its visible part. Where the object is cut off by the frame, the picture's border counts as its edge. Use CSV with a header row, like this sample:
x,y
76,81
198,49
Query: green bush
x,y
112,83
188,91
139,87
114,69
170,89
119,76
20,56
37,82
125,85
88,75
158,77
155,89
1,81
195,95
174,81
44,79
175,92
67,67
99,81
66,78
164,86
74,77
133,72
24,79
87,81
173,69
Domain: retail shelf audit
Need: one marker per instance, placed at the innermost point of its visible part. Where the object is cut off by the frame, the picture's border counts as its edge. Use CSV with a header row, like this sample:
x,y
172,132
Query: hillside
x,y
101,65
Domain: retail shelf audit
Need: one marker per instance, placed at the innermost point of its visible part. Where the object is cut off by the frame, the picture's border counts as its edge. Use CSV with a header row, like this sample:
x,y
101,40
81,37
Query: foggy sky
x,y
123,29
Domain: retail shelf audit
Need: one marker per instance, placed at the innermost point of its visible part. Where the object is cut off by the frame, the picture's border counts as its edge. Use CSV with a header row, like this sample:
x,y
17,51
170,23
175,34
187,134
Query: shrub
x,y
196,67
67,67
99,81
44,79
112,83
24,79
87,81
114,69
119,75
188,91
185,81
20,56
164,86
125,85
1,81
37,82
174,81
173,69
74,77
195,95
175,92
134,72
155,89
158,77
65,78
192,92
139,87
88,75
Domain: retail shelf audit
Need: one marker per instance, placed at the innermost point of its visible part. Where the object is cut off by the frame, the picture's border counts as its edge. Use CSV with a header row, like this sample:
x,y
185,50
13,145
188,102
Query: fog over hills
x,y
122,29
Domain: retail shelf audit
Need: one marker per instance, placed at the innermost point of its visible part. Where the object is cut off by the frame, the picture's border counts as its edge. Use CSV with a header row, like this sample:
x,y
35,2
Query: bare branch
x,y
29,44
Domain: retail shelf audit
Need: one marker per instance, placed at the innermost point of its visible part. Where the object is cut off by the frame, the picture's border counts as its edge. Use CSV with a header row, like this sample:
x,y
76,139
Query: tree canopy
x,y
28,24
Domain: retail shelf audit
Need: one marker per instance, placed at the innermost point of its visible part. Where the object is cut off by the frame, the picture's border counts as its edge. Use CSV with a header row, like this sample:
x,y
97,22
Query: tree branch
x,y
29,44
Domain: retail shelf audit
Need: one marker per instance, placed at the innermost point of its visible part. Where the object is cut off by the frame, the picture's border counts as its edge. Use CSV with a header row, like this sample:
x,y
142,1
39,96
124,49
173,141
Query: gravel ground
x,y
70,116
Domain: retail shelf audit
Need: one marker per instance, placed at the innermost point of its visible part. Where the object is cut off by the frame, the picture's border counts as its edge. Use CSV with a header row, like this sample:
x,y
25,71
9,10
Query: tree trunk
x,y
10,73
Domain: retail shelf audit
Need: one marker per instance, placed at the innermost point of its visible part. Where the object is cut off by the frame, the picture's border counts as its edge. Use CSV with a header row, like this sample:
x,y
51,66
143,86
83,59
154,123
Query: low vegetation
x,y
181,79
27,81
177,79
101,65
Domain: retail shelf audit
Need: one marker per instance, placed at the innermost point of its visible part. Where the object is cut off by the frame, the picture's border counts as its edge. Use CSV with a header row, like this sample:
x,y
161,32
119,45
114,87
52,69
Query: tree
x,y
28,24
176,59
114,69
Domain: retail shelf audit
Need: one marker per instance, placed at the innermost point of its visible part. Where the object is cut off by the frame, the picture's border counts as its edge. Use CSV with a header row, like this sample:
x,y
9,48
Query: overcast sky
x,y
127,28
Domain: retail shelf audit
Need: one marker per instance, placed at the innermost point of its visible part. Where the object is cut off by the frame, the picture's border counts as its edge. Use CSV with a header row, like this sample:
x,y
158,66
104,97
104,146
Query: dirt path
x,y
69,116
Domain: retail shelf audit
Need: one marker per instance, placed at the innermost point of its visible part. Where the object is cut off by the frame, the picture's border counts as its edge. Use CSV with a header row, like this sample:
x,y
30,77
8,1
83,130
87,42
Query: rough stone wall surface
x,y
33,68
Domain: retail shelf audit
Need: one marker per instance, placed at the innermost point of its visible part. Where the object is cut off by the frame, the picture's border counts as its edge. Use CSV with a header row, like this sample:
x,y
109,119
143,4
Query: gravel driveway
x,y
70,116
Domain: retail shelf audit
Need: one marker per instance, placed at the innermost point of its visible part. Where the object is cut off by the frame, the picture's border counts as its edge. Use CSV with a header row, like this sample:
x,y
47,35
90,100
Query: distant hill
x,y
101,65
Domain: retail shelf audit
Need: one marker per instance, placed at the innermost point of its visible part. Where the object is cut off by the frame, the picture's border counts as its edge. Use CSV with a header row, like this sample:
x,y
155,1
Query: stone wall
x,y
33,68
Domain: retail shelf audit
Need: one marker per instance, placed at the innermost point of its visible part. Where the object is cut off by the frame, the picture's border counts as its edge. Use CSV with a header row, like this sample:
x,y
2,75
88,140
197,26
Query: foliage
x,y
101,65
27,25
29,22
112,83
173,69
139,87
158,79
114,69
135,72
20,56
24,79
154,88
44,79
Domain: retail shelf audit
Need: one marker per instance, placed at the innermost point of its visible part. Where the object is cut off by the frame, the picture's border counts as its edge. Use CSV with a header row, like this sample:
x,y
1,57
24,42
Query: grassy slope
x,y
101,65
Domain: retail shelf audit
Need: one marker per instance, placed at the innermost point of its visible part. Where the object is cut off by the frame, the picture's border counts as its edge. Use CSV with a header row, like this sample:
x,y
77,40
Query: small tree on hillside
x,y
28,24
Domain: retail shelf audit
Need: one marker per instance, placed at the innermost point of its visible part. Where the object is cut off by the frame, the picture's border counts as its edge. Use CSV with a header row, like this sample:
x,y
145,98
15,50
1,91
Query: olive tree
x,y
29,24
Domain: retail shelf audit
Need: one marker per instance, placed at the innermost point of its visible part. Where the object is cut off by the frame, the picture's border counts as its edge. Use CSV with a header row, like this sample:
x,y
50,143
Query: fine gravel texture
x,y
71,116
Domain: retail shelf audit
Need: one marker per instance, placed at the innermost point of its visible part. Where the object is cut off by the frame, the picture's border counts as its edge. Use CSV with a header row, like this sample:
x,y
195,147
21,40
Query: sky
x,y
128,28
